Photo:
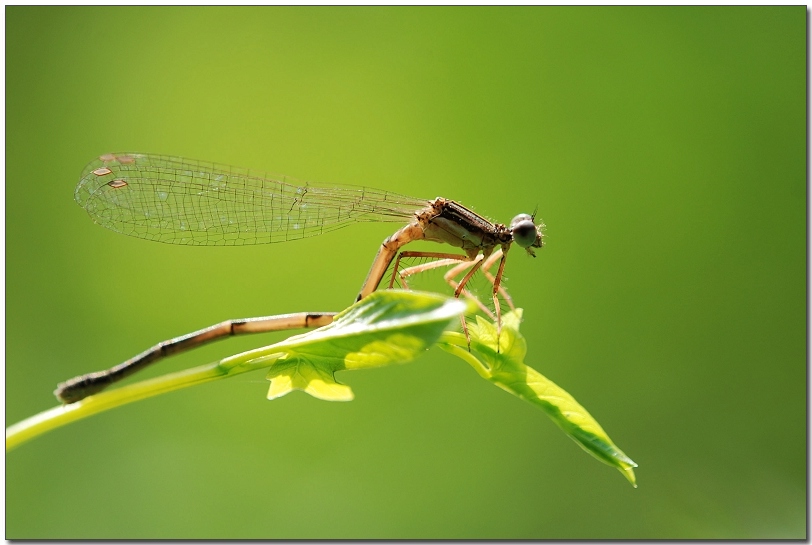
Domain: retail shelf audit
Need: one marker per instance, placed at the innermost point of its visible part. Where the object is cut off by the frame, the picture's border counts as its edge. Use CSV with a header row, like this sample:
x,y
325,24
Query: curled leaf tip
x,y
628,472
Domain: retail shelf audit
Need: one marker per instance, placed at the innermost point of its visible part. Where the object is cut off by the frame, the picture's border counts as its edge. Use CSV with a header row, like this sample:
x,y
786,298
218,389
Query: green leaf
x,y
385,328
499,357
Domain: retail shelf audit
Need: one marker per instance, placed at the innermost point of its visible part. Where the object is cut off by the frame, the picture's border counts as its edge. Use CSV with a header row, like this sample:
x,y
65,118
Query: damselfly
x,y
181,201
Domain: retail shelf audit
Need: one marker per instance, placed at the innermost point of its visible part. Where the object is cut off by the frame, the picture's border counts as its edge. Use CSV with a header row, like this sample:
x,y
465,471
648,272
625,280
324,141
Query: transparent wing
x,y
182,201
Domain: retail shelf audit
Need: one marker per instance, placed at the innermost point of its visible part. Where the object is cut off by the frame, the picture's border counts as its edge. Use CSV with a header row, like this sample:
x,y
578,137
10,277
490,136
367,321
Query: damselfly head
x,y
527,234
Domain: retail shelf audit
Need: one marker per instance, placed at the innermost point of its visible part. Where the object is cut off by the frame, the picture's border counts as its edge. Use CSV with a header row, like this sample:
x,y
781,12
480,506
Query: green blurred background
x,y
665,147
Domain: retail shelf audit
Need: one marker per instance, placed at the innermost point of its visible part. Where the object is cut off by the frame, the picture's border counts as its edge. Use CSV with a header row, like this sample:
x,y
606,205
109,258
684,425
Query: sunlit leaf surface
x,y
385,328
499,358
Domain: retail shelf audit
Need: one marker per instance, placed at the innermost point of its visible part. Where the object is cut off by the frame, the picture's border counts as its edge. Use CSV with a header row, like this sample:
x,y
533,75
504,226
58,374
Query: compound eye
x,y
524,231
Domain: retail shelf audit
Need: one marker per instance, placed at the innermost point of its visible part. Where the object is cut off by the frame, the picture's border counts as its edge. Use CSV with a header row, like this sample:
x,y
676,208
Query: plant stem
x,y
61,415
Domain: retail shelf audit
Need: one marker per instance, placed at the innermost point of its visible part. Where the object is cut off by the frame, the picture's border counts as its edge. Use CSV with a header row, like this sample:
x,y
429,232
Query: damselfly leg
x,y
459,264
